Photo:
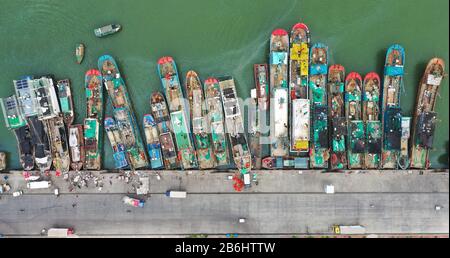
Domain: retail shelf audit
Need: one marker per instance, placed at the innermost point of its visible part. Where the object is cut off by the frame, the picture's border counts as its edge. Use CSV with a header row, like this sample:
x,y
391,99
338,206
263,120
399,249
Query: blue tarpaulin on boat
x,y
319,69
278,58
393,70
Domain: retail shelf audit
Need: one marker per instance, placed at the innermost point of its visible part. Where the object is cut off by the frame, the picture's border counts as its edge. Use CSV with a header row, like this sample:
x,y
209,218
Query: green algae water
x,y
214,37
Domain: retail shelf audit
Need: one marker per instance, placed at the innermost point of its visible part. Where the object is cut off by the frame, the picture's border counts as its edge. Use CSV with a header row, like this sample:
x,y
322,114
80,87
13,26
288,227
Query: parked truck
x,y
60,232
133,202
176,194
38,184
349,230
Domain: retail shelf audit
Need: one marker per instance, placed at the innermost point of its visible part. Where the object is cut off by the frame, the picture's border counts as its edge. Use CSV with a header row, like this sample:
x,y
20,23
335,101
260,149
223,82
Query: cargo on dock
x,y
65,101
76,146
94,120
390,106
178,107
216,121
371,117
336,104
114,137
355,125
161,115
200,128
235,125
279,47
424,120
153,144
319,151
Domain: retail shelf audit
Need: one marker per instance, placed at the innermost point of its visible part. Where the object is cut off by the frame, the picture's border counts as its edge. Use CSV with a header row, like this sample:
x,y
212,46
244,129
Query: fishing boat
x,y
200,129
59,145
403,159
319,151
26,98
117,91
153,143
25,147
371,117
65,101
168,74
424,121
79,53
254,133
356,133
279,47
298,88
390,106
261,75
14,118
336,103
40,139
282,163
76,147
2,161
215,119
161,115
107,30
46,98
119,151
94,119
129,138
235,125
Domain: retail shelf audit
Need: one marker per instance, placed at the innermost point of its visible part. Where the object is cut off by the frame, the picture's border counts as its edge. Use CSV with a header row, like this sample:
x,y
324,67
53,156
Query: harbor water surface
x,y
215,37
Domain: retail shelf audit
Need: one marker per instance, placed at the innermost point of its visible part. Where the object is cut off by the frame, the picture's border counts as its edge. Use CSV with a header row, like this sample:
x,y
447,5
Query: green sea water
x,y
214,37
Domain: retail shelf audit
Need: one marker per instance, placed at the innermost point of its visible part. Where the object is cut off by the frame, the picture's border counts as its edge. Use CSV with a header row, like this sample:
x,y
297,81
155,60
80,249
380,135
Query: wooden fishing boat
x,y
390,106
254,133
2,161
94,120
319,151
356,133
79,53
168,74
215,118
371,117
118,94
298,88
59,146
153,143
65,101
15,122
261,75
235,125
424,121
114,136
200,129
76,146
336,103
403,159
279,47
161,115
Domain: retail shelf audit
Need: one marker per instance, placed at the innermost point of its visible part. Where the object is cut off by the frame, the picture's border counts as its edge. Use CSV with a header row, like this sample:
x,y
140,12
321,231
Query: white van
x,y
176,194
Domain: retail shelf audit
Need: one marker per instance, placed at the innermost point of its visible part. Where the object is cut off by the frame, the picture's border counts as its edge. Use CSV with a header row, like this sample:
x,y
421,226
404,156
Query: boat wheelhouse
x,y
26,98
46,97
14,118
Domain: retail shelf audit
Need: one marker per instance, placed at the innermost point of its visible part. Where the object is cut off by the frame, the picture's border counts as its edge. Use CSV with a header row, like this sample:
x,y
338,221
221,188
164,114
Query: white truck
x,y
38,184
60,232
349,230
176,194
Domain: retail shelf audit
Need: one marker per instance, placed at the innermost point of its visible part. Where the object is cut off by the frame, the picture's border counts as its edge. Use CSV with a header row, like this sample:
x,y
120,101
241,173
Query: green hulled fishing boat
x,y
371,117
336,103
94,120
215,119
65,101
168,74
200,128
319,152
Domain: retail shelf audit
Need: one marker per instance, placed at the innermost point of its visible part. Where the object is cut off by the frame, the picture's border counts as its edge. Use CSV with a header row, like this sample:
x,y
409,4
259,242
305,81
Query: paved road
x,y
277,213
